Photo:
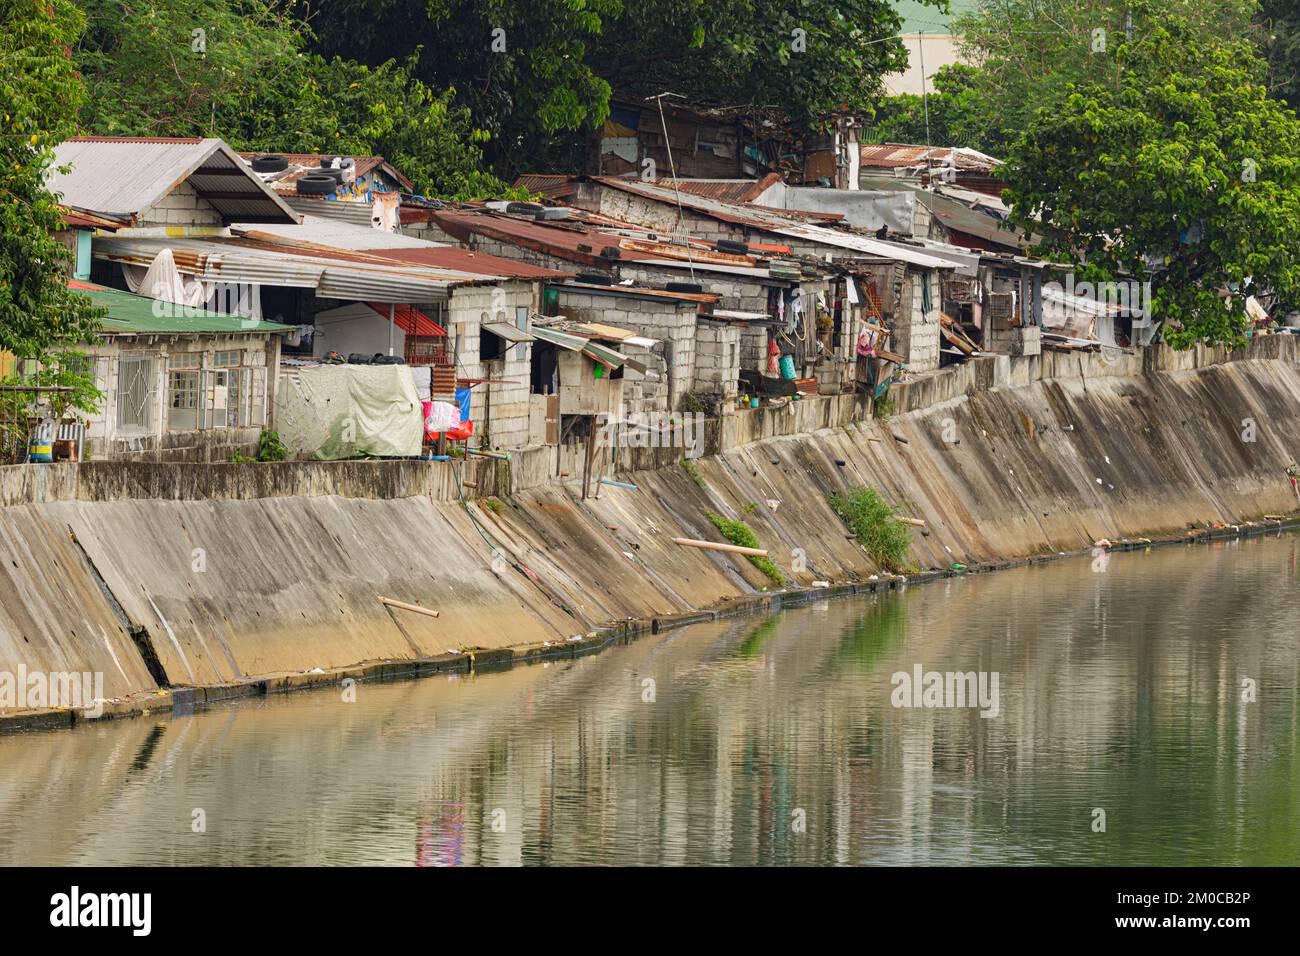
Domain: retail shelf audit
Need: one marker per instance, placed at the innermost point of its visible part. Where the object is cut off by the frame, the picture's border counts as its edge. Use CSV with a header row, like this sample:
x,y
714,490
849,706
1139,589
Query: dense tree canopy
x,y
243,70
1173,162
40,318
1027,53
533,71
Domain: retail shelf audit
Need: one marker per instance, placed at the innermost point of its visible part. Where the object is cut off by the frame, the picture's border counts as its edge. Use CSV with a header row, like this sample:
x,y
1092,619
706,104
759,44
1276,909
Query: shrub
x,y
871,520
741,534
270,447
693,470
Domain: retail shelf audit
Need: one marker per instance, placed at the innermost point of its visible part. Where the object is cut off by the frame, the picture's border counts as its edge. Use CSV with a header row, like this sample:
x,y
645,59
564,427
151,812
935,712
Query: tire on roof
x,y
269,164
315,184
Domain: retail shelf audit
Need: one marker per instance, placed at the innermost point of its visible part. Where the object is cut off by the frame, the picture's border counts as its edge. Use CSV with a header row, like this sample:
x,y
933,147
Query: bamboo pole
x,y
408,607
916,522
715,546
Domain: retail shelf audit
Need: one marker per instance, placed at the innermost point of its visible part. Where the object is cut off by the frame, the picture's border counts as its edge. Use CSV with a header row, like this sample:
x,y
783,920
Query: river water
x,y
1146,714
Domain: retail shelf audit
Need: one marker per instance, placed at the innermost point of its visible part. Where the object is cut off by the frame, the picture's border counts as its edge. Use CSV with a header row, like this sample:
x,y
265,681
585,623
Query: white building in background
x,y
927,33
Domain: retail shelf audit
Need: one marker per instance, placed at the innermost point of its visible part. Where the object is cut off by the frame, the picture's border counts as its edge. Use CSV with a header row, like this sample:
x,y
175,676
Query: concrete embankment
x,y
247,577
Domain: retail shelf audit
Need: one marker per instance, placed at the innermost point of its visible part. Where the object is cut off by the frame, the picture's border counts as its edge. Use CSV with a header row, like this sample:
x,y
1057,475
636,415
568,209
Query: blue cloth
x,y
462,399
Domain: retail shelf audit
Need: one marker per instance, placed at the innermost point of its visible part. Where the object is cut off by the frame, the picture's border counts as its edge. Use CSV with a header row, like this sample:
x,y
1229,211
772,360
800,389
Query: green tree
x,y
1174,163
551,68
957,114
1030,52
1279,22
40,92
243,70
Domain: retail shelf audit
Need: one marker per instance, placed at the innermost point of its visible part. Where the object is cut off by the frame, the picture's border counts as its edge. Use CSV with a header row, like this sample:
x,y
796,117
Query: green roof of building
x,y
137,315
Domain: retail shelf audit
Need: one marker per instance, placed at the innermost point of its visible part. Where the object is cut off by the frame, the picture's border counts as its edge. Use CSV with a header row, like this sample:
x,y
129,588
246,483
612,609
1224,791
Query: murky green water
x,y
767,741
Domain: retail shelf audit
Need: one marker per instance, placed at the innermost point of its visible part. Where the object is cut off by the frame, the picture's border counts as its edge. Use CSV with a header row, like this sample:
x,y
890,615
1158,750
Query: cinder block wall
x,y
916,334
181,207
671,322
717,359
468,308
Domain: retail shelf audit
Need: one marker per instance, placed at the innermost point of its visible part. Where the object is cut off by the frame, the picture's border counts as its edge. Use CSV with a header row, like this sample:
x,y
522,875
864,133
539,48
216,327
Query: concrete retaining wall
x,y
237,572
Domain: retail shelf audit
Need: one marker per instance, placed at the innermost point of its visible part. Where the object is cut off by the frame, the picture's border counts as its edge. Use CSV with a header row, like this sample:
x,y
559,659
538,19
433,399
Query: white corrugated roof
x,y
325,231
126,176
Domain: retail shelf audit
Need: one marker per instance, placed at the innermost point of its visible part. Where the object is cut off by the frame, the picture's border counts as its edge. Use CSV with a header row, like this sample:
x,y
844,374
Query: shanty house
x,y
178,383
176,186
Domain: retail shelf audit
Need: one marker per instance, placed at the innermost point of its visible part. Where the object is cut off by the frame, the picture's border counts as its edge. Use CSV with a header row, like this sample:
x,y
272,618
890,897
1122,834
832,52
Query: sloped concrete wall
x,y
252,583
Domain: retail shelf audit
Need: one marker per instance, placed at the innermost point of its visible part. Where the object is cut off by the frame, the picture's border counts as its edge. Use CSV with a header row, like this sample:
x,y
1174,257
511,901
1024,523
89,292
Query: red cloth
x,y
462,431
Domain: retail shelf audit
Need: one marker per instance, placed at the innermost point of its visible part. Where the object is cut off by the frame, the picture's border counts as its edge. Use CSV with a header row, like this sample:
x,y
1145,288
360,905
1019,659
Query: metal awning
x,y
604,355
508,332
574,343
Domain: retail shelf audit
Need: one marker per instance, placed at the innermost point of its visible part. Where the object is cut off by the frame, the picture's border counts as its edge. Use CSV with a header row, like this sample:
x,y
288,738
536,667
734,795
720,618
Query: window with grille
x,y
183,376
135,381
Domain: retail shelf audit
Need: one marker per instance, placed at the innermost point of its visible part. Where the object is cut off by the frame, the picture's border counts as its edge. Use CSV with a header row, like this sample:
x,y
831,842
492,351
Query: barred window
x,y
183,390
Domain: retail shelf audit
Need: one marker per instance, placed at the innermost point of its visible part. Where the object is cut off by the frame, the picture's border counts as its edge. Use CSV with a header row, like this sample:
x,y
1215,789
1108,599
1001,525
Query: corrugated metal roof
x,y
137,315
335,274
125,177
333,232
505,330
78,218
437,256
975,223
582,242
546,184
780,223
908,156
727,190
356,213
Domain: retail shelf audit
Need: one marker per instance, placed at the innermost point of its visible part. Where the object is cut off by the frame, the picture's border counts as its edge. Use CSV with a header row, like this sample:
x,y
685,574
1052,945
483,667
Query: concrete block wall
x,y
671,322
915,333
753,347
738,292
181,207
717,359
1022,341
507,423
645,393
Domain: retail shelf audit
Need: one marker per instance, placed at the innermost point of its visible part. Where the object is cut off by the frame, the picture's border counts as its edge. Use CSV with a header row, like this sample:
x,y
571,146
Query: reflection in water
x,y
769,741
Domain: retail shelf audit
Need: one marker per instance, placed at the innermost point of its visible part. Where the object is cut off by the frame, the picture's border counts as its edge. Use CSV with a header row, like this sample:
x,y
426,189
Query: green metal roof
x,y
137,315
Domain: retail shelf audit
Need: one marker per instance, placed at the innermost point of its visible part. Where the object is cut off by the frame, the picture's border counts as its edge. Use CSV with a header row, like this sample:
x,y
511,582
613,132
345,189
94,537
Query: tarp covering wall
x,y
348,411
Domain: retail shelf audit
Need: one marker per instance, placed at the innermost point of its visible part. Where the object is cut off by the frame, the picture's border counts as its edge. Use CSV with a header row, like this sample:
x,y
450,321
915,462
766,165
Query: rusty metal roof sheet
x,y
728,190
779,222
702,298
78,218
333,273
547,184
437,256
907,156
124,177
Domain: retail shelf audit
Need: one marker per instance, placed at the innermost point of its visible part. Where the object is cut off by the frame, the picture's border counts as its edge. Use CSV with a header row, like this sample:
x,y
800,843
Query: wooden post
x,y
591,451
